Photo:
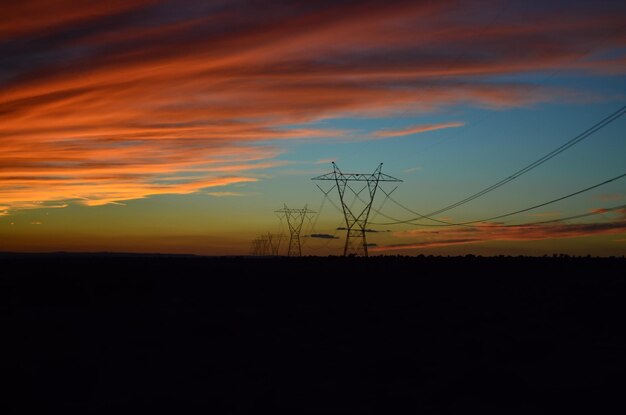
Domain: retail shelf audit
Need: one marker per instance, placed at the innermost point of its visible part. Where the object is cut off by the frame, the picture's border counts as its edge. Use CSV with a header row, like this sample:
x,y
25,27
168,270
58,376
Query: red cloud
x,y
455,236
34,15
104,101
416,129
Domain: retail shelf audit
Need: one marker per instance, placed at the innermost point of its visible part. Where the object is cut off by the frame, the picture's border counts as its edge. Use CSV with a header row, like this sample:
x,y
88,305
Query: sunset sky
x,y
181,126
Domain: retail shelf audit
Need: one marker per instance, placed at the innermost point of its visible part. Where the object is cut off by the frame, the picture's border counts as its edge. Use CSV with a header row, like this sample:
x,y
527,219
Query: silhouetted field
x,y
184,334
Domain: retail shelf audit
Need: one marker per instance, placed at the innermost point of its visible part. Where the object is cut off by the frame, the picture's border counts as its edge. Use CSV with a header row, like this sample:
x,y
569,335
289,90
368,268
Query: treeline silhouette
x,y
100,333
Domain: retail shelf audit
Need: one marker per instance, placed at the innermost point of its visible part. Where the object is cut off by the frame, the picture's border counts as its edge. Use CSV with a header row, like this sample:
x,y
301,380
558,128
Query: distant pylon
x,y
273,243
266,244
295,218
356,220
255,247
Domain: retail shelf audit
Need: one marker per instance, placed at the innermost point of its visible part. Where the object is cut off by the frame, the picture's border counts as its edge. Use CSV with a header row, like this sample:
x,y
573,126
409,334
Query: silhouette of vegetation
x,y
101,333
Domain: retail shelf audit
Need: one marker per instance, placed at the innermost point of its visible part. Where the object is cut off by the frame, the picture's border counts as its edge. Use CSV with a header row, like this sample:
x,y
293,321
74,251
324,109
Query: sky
x,y
182,126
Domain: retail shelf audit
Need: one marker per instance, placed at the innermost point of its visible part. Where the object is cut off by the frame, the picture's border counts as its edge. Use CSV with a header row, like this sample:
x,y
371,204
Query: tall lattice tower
x,y
356,217
266,244
273,243
295,219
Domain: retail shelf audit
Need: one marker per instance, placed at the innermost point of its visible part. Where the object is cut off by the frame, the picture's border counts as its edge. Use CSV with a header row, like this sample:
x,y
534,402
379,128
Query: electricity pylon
x,y
356,219
295,218
266,244
255,248
272,242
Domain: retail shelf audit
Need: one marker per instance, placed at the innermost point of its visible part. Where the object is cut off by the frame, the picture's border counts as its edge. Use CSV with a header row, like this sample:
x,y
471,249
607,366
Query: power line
x,y
551,73
313,224
337,228
445,223
580,137
380,207
409,221
495,225
552,201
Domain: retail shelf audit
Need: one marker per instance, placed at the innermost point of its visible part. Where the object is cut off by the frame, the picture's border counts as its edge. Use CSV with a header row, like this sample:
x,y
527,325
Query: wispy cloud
x,y
325,161
620,212
472,235
609,197
412,169
416,129
227,194
100,100
6,210
341,228
322,236
545,214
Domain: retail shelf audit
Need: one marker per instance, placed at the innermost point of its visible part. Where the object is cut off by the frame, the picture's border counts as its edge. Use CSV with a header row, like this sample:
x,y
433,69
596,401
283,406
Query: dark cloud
x,y
428,244
323,236
342,228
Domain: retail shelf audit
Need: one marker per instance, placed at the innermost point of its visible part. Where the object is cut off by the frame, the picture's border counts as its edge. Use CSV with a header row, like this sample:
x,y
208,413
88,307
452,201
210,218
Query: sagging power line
x,y
473,222
570,143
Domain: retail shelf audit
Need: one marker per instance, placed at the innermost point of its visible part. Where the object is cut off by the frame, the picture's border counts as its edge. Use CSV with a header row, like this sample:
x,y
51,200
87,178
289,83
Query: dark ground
x,y
116,334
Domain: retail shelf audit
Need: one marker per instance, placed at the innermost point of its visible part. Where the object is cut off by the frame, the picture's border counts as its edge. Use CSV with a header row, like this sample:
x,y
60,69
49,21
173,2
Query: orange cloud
x,y
611,197
110,101
416,129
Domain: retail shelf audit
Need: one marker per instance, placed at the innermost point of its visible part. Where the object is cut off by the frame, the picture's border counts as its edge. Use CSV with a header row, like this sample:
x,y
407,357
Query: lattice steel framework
x,y
256,247
266,244
356,219
273,242
295,219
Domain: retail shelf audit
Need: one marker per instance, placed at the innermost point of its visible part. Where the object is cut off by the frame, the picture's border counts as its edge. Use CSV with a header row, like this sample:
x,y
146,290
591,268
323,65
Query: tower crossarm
x,y
295,219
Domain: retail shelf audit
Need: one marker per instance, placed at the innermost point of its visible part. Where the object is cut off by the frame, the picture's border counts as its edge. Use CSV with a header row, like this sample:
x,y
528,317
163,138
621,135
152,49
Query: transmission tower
x,y
356,218
266,244
255,247
295,218
272,242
